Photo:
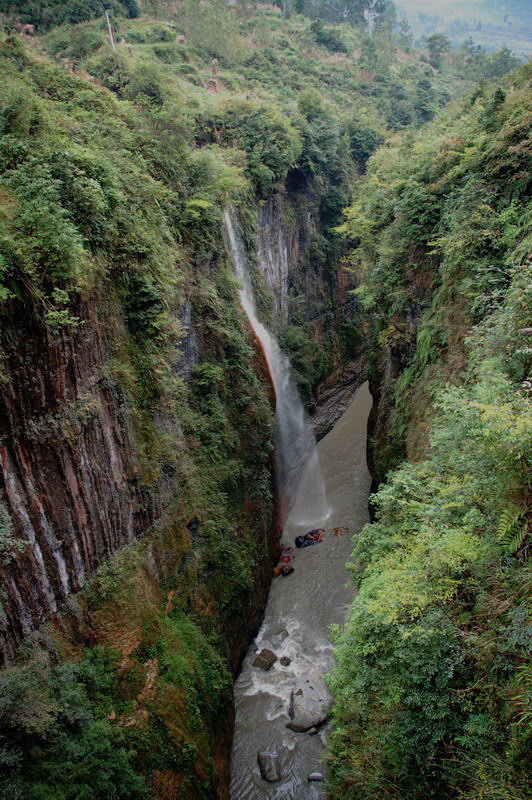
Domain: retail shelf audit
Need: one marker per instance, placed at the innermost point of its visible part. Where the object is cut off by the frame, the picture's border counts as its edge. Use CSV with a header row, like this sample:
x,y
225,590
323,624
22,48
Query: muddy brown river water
x,y
300,611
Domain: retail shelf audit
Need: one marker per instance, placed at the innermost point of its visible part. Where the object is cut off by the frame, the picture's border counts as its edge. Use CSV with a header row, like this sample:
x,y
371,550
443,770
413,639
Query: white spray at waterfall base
x,y
295,441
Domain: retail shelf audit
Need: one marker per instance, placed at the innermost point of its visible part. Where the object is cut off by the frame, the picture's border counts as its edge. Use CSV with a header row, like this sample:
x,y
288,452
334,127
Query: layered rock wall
x,y
307,286
68,468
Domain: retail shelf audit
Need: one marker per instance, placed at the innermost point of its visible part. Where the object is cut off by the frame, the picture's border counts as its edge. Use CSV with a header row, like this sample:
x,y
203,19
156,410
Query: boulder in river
x,y
315,776
278,636
270,768
264,659
309,705
285,661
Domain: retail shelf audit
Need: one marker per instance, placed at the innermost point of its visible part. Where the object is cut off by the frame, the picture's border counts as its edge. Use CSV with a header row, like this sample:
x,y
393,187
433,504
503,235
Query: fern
x,y
524,679
424,345
512,529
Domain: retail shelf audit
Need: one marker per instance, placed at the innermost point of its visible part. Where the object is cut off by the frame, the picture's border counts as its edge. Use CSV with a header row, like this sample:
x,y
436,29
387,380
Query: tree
x,y
437,45
328,37
369,55
57,12
404,34
212,27
355,12
500,63
471,57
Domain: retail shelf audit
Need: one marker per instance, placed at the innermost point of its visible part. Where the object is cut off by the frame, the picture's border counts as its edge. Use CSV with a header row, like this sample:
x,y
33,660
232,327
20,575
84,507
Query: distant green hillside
x,y
490,23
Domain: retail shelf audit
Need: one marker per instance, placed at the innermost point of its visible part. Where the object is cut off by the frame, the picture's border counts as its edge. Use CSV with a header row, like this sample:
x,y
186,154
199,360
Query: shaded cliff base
x,y
140,663
335,394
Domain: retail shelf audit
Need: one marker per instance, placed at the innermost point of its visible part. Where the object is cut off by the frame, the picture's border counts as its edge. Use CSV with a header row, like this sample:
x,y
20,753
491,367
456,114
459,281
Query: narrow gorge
x,y
322,488
265,425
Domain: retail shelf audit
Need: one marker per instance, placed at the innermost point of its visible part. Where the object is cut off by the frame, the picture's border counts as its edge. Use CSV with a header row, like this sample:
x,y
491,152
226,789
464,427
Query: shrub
x,y
55,741
271,143
328,37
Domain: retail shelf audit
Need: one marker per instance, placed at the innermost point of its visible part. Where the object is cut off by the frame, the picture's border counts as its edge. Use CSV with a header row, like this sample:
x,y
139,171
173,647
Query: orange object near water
x,y
340,531
286,559
282,570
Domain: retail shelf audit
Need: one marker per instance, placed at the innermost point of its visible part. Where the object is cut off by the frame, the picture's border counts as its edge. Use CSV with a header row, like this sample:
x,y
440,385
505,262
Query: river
x,y
300,610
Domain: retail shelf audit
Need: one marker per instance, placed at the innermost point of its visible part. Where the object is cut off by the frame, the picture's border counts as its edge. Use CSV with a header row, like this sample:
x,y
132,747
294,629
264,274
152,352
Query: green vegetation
x,y
297,104
328,37
282,111
433,686
56,741
437,45
9,544
56,12
475,62
105,204
115,167
293,102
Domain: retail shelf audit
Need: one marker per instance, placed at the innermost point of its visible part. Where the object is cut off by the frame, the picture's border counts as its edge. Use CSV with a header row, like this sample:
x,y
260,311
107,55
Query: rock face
x,y
287,226
264,659
67,469
270,768
309,705
335,394
69,475
276,253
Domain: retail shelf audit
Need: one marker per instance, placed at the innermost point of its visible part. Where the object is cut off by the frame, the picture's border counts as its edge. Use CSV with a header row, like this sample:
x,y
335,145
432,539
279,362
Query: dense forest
x,y
137,505
433,688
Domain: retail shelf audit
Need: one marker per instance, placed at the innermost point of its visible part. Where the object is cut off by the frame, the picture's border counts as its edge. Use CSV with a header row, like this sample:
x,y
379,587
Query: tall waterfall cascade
x,y
327,486
295,441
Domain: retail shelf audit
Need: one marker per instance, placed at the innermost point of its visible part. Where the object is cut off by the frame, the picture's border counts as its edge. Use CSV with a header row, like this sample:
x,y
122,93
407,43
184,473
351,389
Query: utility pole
x,y
111,37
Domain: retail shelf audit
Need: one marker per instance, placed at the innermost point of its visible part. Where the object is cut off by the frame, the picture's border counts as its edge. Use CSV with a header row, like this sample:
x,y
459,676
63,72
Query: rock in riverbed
x,y
270,768
309,705
315,776
285,661
264,659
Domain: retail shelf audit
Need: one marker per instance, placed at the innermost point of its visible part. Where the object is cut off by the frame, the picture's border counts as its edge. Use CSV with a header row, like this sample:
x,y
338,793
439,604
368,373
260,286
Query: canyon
x,y
70,472
256,266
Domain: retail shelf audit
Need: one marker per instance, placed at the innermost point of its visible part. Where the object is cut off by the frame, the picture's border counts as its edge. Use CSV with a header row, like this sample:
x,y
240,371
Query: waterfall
x,y
295,441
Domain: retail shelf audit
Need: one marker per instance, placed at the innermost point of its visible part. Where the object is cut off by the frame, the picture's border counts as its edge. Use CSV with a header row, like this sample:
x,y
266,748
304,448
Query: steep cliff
x,y
433,683
314,312
136,507
68,464
136,423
